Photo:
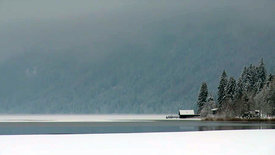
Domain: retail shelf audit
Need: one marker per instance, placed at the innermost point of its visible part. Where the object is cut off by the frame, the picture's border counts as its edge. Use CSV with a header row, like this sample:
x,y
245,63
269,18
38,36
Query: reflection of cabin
x,y
187,114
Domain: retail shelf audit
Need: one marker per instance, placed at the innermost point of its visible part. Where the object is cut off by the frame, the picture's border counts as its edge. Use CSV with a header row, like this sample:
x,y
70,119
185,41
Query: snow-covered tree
x,y
239,89
269,79
240,85
261,76
222,88
202,98
265,99
254,90
208,106
210,98
245,79
251,80
230,88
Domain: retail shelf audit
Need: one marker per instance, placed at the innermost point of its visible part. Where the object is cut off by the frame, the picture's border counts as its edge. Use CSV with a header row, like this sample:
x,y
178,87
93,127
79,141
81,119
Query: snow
x,y
83,118
237,142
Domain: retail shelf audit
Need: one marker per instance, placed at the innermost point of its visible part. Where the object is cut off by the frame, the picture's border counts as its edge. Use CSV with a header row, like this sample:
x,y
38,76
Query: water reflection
x,y
207,128
15,128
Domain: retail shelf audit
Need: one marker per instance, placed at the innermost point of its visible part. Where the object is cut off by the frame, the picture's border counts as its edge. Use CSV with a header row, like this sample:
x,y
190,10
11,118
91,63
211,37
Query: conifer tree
x,y
230,88
251,80
240,86
261,75
269,79
210,98
202,98
239,89
222,88
244,74
209,104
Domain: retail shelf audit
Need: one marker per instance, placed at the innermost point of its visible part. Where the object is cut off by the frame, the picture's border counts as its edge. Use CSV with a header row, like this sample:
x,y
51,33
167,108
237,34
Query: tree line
x,y
253,90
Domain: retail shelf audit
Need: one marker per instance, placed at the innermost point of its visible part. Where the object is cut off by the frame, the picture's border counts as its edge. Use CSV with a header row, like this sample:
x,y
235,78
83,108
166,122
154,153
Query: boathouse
x,y
187,114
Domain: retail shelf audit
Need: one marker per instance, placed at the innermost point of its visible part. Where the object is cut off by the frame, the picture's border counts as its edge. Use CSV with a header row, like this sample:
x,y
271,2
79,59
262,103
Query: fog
x,y
142,45
66,23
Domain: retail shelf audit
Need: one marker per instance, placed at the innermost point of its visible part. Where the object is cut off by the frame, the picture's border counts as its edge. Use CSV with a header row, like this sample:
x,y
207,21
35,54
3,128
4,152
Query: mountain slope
x,y
126,60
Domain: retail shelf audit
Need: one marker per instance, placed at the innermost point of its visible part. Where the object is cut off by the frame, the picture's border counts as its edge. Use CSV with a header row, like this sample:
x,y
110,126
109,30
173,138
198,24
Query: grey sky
x,y
59,24
113,53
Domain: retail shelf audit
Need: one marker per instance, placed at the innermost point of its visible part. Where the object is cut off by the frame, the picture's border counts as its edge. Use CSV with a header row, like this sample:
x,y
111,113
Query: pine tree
x,y
230,88
261,76
240,84
239,89
269,79
244,74
202,98
222,88
210,98
209,104
251,78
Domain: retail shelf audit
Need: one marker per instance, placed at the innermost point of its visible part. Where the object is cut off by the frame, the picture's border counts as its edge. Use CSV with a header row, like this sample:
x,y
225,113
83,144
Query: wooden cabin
x,y
187,114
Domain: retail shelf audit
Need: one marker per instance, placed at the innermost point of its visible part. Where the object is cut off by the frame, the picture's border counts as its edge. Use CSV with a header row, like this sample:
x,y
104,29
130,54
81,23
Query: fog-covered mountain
x,y
125,56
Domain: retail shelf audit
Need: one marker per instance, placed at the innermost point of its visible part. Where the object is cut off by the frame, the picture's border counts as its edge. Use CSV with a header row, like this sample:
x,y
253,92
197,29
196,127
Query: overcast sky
x,y
57,24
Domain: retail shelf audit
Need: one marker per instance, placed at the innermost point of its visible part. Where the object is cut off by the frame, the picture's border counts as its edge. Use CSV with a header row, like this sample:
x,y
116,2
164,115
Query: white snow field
x,y
237,142
78,118
84,118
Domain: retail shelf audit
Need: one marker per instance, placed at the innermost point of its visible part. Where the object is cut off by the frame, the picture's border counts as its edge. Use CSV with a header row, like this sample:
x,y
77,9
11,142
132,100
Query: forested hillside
x,y
130,57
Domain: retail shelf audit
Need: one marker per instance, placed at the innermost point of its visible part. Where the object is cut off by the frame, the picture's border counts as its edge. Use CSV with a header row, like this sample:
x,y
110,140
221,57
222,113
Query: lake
x,y
91,124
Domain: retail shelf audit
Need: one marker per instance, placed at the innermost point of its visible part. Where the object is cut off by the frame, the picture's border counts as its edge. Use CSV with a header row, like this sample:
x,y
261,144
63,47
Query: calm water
x,y
15,128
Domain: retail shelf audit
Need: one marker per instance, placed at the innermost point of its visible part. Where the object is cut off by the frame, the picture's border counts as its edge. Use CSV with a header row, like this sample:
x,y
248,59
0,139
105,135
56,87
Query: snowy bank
x,y
253,142
86,118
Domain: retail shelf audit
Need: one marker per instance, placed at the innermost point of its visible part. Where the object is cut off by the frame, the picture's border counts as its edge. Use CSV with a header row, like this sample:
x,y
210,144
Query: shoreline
x,y
88,118
114,118
240,119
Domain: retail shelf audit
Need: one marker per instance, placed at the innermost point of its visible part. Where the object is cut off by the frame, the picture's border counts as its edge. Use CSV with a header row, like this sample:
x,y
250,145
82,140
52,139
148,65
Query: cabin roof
x,y
186,112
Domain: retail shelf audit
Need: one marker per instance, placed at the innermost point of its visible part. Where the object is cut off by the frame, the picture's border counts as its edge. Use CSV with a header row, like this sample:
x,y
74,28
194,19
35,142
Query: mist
x,y
125,56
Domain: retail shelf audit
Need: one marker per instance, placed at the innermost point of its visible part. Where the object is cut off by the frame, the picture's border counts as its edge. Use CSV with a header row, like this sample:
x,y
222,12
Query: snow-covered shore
x,y
84,118
237,142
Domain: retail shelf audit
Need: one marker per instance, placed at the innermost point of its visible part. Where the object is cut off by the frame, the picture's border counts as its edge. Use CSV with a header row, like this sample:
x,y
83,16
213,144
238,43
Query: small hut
x,y
214,111
187,114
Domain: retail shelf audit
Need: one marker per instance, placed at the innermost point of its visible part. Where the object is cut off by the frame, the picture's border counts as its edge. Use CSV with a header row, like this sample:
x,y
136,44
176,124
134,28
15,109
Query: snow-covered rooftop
x,y
186,112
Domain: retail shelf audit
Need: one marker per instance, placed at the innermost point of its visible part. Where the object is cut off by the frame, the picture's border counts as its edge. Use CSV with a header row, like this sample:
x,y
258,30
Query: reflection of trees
x,y
236,127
